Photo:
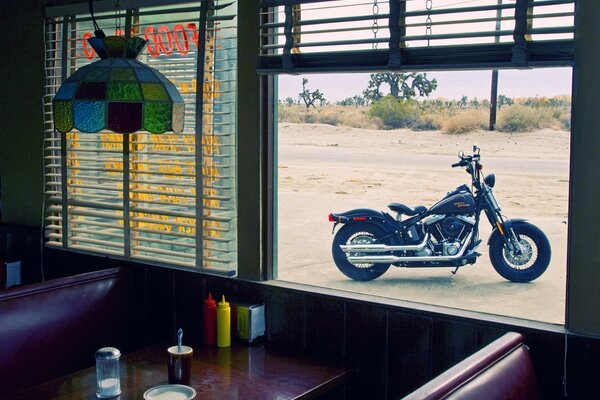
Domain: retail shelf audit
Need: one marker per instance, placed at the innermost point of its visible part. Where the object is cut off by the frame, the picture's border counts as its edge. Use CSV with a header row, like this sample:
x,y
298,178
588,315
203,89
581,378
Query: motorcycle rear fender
x,y
383,220
507,225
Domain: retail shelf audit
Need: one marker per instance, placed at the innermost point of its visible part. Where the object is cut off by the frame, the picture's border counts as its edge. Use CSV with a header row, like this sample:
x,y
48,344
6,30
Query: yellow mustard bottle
x,y
223,323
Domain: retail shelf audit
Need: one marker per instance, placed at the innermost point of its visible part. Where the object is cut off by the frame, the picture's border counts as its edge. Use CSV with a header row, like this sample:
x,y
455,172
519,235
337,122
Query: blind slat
x,y
327,40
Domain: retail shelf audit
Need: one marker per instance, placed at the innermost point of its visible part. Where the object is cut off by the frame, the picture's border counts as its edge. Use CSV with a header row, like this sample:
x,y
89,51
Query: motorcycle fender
x,y
507,225
382,220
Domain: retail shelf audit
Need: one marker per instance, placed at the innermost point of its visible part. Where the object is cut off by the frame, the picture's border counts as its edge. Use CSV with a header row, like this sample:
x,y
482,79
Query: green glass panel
x,y
63,116
135,46
154,91
157,117
120,90
115,46
122,74
178,116
96,75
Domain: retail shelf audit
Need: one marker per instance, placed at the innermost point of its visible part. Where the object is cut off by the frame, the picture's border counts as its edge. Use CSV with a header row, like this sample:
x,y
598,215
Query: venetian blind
x,y
300,36
167,199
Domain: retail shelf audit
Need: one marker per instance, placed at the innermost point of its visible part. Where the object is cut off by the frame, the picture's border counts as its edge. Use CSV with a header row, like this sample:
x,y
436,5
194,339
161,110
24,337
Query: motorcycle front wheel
x,y
533,260
361,233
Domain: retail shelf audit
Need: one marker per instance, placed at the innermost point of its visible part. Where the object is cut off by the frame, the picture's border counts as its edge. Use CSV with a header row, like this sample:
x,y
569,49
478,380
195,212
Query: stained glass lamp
x,y
118,93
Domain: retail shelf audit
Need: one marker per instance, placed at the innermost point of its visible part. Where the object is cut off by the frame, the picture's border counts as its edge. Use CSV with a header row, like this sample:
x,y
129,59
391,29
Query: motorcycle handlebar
x,y
462,163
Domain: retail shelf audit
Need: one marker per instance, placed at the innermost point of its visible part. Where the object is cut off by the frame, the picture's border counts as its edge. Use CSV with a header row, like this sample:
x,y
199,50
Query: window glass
x,y
151,197
346,151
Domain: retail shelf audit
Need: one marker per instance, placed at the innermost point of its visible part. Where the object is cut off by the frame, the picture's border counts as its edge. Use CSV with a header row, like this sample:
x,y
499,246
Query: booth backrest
x,y
502,370
52,328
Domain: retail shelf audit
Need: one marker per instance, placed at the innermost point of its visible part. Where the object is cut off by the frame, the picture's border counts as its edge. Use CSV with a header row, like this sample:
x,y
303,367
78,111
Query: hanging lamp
x,y
117,92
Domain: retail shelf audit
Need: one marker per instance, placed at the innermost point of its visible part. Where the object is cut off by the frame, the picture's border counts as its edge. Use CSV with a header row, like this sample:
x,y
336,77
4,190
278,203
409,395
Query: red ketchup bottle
x,y
209,317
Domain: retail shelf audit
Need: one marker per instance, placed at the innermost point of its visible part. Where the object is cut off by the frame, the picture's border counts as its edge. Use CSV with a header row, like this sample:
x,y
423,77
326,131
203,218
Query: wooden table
x,y
238,372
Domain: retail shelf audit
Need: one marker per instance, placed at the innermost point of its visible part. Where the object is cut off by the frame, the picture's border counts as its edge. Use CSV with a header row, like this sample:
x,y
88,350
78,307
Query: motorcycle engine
x,y
452,227
449,233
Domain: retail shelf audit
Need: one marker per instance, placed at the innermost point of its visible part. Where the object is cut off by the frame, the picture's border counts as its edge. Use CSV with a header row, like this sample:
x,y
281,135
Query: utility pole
x,y
494,91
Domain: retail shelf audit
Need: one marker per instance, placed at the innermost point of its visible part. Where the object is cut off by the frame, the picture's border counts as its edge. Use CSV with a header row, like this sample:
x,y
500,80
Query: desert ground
x,y
324,168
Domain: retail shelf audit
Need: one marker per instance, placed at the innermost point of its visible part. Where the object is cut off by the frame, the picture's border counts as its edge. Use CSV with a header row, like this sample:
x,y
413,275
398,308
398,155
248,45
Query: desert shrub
x,y
467,121
428,122
310,117
395,113
519,118
329,116
359,118
563,117
355,117
294,114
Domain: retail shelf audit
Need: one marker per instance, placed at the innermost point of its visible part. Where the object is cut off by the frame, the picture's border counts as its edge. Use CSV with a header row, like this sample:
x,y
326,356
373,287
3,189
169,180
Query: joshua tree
x,y
402,85
309,97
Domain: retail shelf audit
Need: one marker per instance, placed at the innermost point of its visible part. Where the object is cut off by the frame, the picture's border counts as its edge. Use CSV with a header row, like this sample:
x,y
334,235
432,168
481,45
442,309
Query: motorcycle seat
x,y
402,209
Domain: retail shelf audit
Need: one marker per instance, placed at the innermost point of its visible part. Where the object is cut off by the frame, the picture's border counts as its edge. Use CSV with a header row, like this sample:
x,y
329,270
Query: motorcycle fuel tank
x,y
460,203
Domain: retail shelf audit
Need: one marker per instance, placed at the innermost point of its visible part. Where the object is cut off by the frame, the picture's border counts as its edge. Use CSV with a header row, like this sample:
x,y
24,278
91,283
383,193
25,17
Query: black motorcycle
x,y
445,235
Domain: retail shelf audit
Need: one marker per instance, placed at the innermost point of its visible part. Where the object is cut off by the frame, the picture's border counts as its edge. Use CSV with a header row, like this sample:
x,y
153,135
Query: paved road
x,y
388,159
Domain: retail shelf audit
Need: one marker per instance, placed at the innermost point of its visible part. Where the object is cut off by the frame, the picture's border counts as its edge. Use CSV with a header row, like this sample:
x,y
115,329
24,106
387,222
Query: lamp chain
x,y
375,27
428,22
117,16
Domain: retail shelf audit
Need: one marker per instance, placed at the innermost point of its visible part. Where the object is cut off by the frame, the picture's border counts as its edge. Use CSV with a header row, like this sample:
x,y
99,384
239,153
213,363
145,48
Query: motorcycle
x,y
445,235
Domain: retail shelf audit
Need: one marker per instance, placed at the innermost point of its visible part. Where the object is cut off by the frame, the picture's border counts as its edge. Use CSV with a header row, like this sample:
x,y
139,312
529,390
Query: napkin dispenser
x,y
250,321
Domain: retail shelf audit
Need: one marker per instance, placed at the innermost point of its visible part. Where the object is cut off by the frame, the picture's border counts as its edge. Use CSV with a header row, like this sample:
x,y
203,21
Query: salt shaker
x,y
108,377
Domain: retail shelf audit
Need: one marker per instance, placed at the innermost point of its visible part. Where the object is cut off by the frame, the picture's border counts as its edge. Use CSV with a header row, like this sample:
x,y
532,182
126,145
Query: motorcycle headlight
x,y
490,180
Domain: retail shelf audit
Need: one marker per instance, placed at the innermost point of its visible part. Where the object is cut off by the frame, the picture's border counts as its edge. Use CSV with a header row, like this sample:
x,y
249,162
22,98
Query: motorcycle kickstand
x,y
454,272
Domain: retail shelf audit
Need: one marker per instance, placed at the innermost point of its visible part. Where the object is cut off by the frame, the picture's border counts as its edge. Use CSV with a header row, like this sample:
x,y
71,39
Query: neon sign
x,y
162,41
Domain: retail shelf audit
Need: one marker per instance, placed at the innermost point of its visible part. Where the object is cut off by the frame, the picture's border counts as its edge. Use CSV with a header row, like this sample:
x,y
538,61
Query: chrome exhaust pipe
x,y
390,259
380,248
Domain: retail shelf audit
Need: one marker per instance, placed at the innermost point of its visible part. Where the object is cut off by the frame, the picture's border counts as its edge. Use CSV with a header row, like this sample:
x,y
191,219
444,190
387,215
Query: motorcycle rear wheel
x,y
361,233
525,267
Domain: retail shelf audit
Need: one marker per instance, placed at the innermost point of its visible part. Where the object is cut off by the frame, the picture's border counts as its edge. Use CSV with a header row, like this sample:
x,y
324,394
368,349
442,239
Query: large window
x,y
168,199
338,150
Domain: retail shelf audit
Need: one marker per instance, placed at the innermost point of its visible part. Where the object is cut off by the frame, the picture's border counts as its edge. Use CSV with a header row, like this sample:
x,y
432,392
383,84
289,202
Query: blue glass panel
x,y
173,93
120,62
77,75
102,63
97,74
89,115
145,75
66,91
98,45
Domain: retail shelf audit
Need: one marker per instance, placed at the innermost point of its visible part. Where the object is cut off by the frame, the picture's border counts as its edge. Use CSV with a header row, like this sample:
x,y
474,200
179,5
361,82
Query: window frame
x,y
268,134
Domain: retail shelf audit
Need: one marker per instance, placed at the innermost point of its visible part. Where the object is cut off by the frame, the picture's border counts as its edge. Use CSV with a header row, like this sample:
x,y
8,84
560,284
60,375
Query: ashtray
x,y
170,392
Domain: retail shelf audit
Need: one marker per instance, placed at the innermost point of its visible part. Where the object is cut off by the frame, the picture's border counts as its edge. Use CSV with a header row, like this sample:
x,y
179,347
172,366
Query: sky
x,y
542,82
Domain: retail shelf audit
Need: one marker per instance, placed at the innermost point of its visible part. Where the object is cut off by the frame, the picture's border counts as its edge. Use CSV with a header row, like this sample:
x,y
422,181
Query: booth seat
x,y
501,370
53,328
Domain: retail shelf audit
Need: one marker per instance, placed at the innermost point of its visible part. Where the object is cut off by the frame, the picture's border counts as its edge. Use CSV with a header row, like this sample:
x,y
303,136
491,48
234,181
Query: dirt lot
x,y
325,168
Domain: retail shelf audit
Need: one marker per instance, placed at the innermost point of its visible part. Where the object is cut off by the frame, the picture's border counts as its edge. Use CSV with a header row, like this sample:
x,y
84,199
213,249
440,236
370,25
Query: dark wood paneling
x,y
325,327
410,350
583,372
366,349
547,356
286,313
452,341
